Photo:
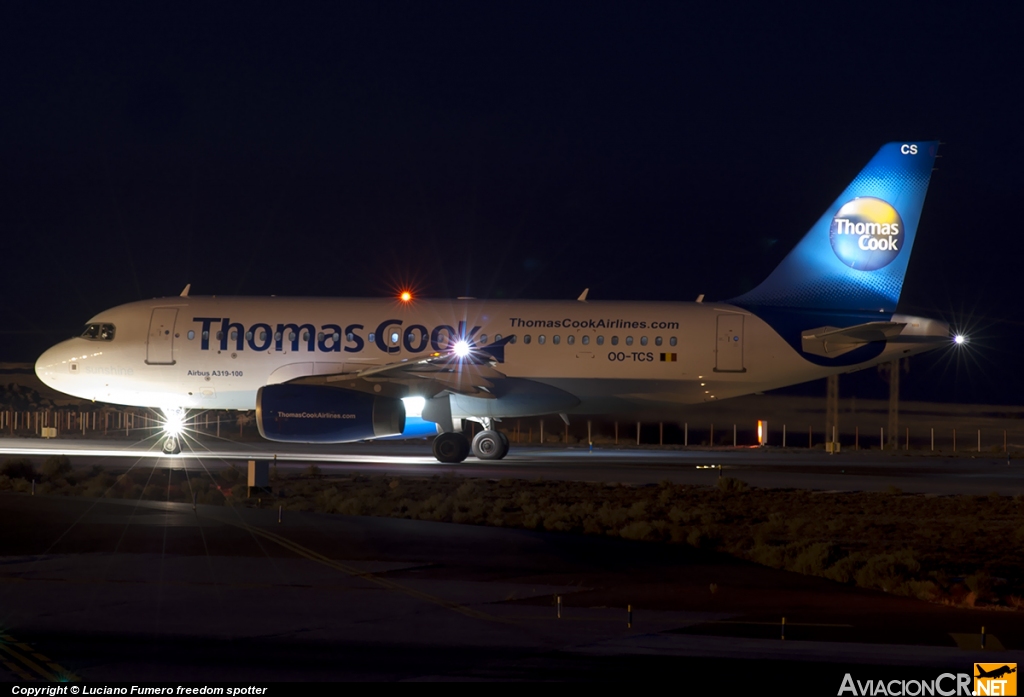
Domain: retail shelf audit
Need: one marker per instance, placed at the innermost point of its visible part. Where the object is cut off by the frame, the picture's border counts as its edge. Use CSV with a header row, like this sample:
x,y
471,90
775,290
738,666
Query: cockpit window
x,y
99,332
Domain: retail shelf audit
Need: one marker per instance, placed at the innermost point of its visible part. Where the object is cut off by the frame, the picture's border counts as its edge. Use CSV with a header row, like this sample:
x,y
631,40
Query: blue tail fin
x,y
856,255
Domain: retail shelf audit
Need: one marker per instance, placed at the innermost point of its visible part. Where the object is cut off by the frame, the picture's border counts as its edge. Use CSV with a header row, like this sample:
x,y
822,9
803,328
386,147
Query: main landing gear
x,y
490,445
451,447
455,447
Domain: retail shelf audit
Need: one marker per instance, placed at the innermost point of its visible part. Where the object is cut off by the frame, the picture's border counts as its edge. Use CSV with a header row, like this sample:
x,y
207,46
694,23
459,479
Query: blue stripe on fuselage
x,y
791,323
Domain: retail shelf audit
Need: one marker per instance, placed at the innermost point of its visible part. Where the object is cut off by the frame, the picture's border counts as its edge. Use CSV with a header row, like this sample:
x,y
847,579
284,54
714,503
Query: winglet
x,y
496,350
583,295
700,298
184,293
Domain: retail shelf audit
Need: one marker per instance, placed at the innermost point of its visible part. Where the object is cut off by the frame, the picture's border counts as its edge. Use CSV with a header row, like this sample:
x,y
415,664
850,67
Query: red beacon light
x,y
405,296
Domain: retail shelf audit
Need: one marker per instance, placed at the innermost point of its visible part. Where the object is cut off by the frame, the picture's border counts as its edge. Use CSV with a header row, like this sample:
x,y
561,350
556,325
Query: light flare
x,y
174,422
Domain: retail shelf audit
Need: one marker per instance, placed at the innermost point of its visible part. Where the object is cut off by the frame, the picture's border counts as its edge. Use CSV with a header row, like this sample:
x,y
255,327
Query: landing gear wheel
x,y
490,445
451,447
171,446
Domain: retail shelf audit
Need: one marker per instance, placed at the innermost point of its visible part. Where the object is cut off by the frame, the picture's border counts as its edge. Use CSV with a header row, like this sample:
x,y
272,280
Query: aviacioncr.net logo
x,y
866,233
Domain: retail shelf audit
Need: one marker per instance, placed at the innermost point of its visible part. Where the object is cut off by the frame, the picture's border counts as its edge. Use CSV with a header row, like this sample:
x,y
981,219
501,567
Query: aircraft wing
x,y
835,341
472,374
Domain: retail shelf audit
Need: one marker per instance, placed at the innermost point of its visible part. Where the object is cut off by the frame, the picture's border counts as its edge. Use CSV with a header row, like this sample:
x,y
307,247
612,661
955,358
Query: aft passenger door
x,y
729,344
160,344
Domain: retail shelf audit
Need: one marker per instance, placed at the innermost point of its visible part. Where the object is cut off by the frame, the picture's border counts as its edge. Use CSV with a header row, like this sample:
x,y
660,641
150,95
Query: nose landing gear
x,y
171,445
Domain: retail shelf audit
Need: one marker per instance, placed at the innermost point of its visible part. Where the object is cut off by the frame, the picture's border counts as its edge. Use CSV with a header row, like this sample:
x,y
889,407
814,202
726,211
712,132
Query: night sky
x,y
648,151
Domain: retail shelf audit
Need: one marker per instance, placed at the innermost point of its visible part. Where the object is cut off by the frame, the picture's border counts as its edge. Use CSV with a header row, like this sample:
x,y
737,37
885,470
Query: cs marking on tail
x,y
909,148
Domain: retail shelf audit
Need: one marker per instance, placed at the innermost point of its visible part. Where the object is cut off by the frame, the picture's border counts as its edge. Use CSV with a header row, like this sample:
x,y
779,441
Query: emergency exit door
x,y
160,346
729,344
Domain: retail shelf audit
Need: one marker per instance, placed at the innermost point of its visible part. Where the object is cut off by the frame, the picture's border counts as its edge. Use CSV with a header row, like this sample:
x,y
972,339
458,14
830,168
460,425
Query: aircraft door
x,y
160,344
729,344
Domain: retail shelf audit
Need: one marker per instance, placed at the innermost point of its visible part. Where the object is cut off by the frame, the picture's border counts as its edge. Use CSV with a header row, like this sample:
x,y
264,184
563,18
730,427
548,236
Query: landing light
x,y
174,422
461,348
959,339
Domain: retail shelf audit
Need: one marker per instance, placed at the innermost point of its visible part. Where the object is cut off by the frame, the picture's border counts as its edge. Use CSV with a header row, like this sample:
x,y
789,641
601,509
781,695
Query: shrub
x,y
730,485
888,571
18,468
56,466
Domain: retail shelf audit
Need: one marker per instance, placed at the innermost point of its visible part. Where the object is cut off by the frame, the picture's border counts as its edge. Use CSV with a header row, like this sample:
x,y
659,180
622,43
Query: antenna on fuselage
x,y
184,293
583,295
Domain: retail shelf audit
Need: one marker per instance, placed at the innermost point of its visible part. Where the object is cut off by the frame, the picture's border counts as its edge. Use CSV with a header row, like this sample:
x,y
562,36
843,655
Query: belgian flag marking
x,y
668,358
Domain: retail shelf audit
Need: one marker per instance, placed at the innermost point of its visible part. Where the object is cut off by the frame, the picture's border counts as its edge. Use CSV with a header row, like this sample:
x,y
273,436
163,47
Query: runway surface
x,y
123,590
909,471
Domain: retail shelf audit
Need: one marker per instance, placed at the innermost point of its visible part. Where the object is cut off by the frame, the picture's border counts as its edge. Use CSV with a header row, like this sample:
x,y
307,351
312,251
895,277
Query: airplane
x,y
995,672
332,370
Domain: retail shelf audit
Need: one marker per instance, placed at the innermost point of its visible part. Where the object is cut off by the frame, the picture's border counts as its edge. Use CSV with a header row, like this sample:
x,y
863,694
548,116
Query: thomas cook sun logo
x,y
866,233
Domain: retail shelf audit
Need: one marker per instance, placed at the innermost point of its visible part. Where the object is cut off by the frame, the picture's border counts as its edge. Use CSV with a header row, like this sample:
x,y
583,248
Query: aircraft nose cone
x,y
54,366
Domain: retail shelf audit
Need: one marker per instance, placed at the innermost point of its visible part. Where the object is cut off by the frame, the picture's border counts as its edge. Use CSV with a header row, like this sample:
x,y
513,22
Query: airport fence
x,y
733,435
56,423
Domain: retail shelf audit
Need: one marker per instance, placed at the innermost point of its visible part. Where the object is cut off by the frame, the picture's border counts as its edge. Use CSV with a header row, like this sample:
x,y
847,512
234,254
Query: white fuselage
x,y
614,357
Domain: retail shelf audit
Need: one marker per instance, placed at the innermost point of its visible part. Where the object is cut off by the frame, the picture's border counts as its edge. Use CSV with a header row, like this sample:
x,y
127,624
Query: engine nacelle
x,y
320,414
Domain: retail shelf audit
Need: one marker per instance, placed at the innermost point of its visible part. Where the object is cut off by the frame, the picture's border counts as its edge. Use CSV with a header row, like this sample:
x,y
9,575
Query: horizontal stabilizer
x,y
835,341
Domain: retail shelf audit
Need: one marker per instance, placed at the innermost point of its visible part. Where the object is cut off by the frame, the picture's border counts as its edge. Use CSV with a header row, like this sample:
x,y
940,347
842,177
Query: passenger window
x,y
263,335
571,339
629,341
600,341
483,340
585,339
526,338
615,341
220,335
394,337
672,341
497,337
350,336
643,341
540,339
337,336
305,335
512,340
657,341
320,337
234,335
191,335
248,336
206,335
555,339
291,336
371,337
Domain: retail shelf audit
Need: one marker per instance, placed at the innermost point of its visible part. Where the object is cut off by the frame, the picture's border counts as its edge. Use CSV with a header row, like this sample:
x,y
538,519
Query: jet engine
x,y
321,414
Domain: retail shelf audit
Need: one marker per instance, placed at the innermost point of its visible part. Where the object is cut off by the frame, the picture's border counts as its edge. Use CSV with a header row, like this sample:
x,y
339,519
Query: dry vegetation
x,y
963,550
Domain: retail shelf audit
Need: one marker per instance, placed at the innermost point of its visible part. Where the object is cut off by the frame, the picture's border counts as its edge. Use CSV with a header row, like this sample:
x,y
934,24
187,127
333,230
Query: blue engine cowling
x,y
320,414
